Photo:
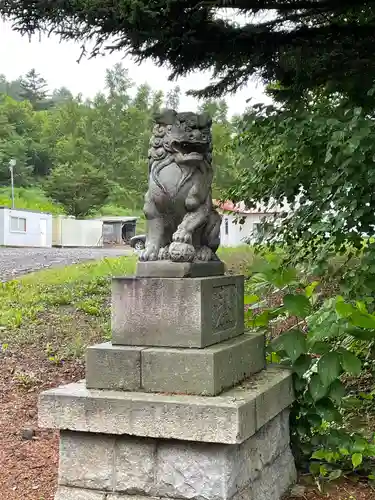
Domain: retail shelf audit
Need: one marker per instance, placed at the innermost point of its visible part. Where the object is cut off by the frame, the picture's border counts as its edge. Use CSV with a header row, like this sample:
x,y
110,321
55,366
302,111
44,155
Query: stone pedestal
x,y
180,404
177,312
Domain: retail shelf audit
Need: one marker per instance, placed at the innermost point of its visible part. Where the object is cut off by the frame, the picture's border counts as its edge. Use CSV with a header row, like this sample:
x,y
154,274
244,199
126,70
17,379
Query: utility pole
x,y
12,164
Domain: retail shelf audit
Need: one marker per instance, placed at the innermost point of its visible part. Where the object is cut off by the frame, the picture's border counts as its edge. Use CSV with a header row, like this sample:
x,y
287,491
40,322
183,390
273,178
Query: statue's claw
x,y
182,236
164,253
204,254
151,252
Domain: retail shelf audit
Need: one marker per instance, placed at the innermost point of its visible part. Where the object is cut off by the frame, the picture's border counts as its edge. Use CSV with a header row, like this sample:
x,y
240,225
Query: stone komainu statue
x,y
183,226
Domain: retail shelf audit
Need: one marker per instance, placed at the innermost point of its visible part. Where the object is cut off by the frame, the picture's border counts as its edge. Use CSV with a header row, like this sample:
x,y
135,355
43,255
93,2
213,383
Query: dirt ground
x,y
29,456
345,490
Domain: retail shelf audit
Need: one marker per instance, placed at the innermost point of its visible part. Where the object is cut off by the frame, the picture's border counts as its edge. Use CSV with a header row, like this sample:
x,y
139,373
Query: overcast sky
x,y
57,62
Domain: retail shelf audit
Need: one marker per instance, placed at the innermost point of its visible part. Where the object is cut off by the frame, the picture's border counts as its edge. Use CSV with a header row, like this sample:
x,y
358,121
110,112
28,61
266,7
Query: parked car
x,y
138,242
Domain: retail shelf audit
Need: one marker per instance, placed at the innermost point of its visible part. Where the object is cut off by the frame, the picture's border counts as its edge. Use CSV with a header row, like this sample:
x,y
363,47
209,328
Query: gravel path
x,y
18,261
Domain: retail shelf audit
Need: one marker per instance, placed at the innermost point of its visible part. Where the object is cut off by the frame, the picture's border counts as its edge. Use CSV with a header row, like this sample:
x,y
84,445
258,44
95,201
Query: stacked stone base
x,y
179,405
109,467
117,444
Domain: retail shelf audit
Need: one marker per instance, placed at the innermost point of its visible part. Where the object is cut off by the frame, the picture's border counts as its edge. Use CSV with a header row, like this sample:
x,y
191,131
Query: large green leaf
x,y
319,455
251,299
360,444
260,320
297,305
292,342
337,392
320,347
327,410
314,419
283,277
350,363
317,389
357,459
335,474
360,333
361,306
302,364
344,310
309,290
329,368
363,320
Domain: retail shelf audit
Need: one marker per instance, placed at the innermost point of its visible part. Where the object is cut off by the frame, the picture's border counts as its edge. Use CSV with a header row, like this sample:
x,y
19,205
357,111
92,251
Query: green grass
x,y
62,309
237,260
30,199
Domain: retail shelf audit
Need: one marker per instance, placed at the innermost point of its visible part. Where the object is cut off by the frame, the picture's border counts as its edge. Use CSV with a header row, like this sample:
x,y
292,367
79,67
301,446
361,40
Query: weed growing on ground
x,y
26,380
64,309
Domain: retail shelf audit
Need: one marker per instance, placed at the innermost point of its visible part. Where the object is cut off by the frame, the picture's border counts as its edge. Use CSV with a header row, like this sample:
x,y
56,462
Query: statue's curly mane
x,y
160,155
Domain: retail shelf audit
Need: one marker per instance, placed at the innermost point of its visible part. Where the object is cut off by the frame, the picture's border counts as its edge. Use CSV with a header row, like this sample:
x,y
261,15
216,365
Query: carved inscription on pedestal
x,y
224,307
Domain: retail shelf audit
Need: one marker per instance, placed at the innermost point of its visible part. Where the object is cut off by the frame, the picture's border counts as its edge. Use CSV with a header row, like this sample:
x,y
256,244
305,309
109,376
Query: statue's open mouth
x,y
190,150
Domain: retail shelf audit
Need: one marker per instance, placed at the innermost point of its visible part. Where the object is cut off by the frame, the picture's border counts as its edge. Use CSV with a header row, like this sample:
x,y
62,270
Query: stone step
x,y
229,418
177,312
206,371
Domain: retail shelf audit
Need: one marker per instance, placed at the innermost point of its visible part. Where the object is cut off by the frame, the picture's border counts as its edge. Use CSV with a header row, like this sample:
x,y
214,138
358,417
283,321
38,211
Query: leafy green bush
x,y
317,341
318,156
110,209
30,199
78,186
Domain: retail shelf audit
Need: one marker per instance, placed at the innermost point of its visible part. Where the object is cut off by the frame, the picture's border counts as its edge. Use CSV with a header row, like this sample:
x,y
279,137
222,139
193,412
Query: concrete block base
x,y
206,371
98,467
113,367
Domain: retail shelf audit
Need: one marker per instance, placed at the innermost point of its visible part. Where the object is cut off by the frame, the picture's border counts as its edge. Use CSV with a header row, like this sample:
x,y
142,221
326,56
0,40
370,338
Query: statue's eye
x,y
177,123
169,128
188,129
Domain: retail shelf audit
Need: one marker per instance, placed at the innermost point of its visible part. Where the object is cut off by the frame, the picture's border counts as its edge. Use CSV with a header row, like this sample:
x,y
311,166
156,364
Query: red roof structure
x,y
240,208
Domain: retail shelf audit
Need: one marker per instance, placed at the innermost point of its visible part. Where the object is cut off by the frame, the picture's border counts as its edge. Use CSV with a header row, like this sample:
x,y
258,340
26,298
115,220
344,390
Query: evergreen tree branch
x,y
308,43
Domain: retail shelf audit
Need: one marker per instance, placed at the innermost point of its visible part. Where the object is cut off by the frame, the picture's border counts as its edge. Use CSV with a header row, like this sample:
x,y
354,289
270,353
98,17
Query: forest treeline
x,y
90,153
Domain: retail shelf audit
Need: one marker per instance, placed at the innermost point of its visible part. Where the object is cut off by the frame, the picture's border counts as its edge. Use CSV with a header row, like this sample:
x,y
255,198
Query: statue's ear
x,y
204,120
165,117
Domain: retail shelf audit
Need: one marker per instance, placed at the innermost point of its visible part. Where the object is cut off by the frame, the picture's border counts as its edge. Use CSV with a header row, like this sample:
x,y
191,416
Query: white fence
x,y
71,232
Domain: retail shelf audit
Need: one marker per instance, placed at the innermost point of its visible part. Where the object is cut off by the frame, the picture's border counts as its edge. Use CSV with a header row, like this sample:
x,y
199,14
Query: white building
x,y
239,223
25,228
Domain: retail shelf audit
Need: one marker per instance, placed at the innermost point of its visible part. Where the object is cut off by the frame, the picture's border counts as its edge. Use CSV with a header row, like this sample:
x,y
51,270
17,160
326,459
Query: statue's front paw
x,y
151,252
181,252
182,236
